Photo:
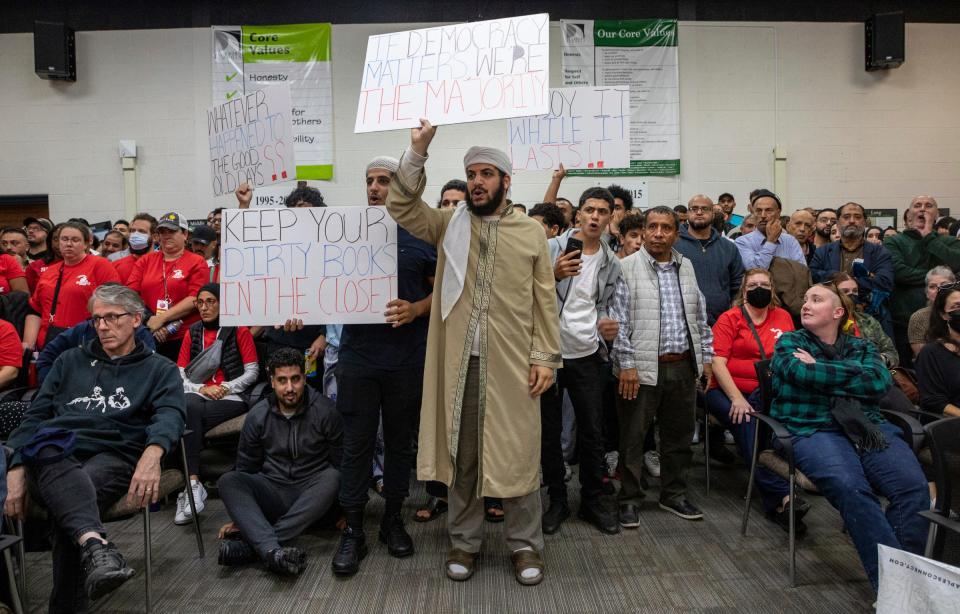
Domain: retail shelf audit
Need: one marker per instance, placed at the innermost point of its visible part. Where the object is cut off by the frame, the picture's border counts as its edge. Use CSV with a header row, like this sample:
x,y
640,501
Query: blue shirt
x,y
380,345
757,252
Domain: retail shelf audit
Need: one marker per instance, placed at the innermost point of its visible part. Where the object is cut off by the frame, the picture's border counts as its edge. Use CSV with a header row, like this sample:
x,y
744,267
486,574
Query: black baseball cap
x,y
204,234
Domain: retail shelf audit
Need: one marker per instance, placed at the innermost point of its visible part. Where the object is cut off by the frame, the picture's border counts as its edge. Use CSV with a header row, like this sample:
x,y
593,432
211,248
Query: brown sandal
x,y
527,559
459,557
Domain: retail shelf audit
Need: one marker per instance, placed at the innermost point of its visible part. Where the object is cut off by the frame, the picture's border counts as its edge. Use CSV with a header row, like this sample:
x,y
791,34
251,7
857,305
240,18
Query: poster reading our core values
x,y
250,58
455,74
641,54
323,265
587,127
251,140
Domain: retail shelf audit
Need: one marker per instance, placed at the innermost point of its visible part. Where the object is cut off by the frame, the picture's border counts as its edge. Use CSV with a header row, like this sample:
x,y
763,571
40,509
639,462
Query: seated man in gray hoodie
x,y
98,428
286,477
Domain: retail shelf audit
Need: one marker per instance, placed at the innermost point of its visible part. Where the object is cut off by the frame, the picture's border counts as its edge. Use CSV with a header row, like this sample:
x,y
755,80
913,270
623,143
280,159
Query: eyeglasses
x,y
699,209
111,319
759,284
70,239
205,302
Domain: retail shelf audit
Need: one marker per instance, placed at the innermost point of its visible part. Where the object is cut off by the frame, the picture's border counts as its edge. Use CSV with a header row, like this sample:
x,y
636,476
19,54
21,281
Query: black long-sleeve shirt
x,y
938,374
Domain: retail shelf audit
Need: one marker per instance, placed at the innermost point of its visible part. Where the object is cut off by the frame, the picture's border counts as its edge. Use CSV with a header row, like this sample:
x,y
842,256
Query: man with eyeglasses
x,y
715,258
98,429
915,251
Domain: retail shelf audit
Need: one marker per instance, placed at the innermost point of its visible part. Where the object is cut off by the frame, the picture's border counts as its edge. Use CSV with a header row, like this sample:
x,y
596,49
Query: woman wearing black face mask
x,y
938,364
743,335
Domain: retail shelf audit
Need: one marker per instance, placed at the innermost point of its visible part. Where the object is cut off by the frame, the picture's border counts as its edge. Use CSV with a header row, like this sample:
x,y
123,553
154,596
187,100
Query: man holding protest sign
x,y
490,354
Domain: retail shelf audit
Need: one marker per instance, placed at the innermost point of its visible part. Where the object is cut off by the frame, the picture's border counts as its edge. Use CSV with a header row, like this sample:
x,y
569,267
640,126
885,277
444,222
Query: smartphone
x,y
574,245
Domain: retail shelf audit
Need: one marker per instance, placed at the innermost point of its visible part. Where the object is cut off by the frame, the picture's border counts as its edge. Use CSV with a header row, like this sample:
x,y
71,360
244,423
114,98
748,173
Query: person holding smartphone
x,y
586,271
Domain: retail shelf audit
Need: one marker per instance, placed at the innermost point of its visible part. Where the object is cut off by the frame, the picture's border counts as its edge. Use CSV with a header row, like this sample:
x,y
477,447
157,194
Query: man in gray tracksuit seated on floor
x,y
286,477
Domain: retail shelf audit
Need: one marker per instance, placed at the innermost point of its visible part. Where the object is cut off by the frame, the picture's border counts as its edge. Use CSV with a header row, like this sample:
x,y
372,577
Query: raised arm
x,y
404,201
554,188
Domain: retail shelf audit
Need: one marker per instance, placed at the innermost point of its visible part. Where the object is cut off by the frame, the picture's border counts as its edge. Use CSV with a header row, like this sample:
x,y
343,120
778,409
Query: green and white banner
x,y
250,58
643,55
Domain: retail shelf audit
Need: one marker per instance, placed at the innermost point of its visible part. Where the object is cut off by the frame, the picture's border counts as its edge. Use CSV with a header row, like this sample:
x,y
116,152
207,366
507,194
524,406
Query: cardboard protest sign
x,y
323,265
456,74
251,139
586,127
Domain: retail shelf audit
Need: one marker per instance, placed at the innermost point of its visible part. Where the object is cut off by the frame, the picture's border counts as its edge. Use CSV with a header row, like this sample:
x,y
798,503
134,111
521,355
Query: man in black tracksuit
x,y
287,475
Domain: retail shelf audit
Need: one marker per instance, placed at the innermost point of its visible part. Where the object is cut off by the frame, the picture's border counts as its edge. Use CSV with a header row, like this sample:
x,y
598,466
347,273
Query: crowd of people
x,y
522,341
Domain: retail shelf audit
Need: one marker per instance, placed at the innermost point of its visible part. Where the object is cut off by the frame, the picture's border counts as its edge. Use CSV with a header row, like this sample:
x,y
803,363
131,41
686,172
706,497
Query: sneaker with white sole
x,y
184,515
651,460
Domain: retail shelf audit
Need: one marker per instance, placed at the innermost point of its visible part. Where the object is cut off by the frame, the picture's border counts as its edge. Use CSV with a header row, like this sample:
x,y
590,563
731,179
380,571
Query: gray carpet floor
x,y
666,565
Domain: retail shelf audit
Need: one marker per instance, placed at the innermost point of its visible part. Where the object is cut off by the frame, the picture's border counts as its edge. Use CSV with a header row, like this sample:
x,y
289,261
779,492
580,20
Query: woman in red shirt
x,y
60,299
168,281
52,256
743,335
212,391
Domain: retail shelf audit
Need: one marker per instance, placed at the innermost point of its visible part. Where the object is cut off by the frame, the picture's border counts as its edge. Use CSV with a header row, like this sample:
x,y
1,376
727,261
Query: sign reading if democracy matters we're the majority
x,y
323,265
587,127
456,74
251,140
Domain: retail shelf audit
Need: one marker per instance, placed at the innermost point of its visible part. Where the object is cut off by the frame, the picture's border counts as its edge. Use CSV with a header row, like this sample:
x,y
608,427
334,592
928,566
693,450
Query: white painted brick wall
x,y
878,138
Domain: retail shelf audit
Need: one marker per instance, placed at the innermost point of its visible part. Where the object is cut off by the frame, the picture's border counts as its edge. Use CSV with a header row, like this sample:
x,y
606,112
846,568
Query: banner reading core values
x,y
641,54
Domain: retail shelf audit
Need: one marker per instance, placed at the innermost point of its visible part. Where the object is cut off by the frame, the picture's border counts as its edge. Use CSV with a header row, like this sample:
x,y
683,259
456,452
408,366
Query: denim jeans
x,y
75,493
366,394
772,487
849,481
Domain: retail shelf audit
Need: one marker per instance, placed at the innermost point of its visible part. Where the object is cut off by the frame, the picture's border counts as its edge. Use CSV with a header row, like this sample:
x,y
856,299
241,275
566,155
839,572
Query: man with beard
x,y
914,252
868,263
494,342
715,260
826,220
727,203
801,227
142,230
37,230
768,240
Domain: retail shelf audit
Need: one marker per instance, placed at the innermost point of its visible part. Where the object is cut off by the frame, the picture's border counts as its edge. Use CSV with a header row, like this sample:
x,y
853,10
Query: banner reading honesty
x,y
250,140
587,127
456,74
250,58
641,54
324,265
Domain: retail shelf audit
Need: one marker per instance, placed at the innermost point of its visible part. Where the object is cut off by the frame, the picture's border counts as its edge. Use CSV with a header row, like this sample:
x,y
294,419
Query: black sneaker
x,y
683,509
594,512
286,561
782,520
104,568
554,516
629,516
352,549
395,536
235,551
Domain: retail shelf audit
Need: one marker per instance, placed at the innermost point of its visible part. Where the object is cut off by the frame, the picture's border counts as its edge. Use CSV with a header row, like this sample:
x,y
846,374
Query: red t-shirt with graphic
x,y
78,283
35,270
733,340
11,352
9,269
125,266
248,351
157,279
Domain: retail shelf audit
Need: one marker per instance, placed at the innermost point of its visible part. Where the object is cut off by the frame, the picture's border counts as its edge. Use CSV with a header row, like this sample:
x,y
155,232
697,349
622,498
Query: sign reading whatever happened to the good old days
x,y
251,140
323,265
587,127
641,54
456,74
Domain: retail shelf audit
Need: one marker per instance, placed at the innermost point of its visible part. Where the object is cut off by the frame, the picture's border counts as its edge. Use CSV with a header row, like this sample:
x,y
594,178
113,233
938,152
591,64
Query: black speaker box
x,y
884,41
54,51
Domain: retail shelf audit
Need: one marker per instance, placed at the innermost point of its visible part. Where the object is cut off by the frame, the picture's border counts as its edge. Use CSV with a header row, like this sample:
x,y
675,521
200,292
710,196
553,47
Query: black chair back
x,y
944,439
765,377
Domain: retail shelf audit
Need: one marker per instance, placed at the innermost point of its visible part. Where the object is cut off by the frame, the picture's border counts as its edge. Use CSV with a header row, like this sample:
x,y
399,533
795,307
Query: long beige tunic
x,y
509,296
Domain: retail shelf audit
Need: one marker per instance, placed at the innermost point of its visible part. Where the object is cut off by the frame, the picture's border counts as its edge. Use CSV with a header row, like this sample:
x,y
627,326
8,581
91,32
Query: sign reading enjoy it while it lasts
x,y
456,74
323,265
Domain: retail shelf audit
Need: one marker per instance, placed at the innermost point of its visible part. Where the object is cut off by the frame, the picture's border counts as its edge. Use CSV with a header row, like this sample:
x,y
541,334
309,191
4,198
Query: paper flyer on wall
x,y
250,58
641,54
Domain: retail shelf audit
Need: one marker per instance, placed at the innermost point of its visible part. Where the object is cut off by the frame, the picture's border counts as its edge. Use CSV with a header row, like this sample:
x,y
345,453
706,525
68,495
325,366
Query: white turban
x,y
488,155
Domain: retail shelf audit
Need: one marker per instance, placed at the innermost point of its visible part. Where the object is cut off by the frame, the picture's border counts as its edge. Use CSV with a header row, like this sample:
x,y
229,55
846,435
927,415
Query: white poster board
x,y
915,584
323,265
251,140
455,74
587,127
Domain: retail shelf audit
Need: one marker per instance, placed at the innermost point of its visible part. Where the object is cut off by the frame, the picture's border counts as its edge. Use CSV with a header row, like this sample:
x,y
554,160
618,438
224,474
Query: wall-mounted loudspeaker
x,y
884,37
54,51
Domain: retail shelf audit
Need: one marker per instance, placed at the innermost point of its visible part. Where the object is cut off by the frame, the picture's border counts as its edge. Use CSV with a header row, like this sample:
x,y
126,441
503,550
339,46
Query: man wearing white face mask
x,y
142,229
